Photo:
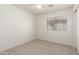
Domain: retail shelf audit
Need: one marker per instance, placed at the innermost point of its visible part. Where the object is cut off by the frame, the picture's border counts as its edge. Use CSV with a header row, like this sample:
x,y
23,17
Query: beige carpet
x,y
40,47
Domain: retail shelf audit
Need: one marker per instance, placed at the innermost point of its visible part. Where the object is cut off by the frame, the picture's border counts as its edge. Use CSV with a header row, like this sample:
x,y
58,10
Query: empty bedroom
x,y
39,29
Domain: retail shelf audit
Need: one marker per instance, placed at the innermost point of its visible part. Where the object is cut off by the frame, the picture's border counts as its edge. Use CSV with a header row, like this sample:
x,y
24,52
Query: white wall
x,y
16,26
74,30
77,28
57,36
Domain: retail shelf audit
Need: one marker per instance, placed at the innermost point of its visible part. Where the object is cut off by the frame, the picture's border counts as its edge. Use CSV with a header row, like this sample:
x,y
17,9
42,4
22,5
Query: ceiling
x,y
46,8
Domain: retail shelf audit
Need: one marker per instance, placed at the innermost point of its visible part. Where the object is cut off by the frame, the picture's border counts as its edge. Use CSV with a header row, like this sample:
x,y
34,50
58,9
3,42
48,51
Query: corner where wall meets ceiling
x,y
43,8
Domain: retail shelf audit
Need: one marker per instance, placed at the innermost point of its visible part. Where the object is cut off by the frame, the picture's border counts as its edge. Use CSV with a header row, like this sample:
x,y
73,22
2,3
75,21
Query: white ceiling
x,y
33,9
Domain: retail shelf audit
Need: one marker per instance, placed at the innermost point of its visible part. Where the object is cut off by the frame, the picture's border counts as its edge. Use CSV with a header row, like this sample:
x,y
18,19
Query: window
x,y
57,24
